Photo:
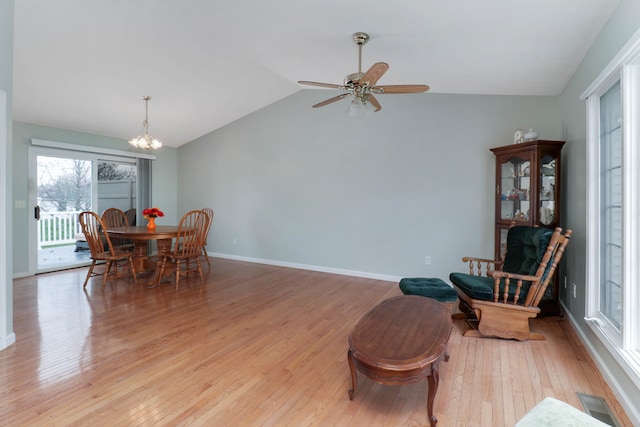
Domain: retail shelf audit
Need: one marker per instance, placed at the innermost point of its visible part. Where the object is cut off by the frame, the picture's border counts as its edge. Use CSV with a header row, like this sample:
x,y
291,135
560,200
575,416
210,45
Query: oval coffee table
x,y
401,341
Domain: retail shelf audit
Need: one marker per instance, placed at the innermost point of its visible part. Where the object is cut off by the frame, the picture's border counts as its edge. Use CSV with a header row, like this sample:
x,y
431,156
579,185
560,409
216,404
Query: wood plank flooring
x,y
257,346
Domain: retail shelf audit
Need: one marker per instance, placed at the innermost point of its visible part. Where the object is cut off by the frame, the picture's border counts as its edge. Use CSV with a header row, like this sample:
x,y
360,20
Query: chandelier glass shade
x,y
146,141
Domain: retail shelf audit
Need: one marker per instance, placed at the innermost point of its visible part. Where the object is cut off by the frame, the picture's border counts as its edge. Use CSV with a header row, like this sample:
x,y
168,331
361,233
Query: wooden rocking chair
x,y
503,301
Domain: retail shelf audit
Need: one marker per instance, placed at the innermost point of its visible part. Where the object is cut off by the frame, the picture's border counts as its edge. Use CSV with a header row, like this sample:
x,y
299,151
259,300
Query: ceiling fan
x,y
363,85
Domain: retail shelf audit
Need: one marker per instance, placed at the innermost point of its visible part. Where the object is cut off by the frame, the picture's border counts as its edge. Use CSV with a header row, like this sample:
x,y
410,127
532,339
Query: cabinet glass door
x,y
547,190
503,242
514,189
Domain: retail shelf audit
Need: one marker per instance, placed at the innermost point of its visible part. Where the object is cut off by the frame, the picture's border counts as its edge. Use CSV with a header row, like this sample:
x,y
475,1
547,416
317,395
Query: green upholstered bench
x,y
431,288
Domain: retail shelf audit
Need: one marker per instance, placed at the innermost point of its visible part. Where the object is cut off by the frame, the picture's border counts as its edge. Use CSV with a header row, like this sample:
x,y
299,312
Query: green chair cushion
x,y
525,249
477,287
431,288
481,287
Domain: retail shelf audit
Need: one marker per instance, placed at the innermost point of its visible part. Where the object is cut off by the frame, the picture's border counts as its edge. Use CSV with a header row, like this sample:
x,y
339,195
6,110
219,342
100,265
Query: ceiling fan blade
x,y
329,101
329,85
400,89
374,73
374,102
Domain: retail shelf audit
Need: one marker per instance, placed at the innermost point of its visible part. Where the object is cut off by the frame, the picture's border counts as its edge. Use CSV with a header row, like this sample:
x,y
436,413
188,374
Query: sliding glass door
x,y
64,188
66,183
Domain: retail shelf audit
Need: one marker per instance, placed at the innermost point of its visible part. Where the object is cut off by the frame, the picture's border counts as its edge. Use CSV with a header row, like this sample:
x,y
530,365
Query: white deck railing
x,y
58,228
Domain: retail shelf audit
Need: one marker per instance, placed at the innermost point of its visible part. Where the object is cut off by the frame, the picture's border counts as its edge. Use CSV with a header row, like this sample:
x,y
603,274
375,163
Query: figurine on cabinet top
x,y
518,137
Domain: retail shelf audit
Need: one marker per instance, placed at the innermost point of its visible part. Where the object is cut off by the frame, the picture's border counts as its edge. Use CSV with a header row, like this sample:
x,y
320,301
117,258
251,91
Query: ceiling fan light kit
x,y
146,141
360,106
363,85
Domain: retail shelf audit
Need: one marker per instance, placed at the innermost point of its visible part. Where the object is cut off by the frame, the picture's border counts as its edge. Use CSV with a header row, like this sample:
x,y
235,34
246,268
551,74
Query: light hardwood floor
x,y
257,346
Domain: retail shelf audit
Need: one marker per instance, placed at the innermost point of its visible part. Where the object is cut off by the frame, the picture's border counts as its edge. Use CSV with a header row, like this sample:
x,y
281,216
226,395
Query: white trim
x,y
629,53
630,91
353,273
6,337
628,402
9,340
20,275
86,149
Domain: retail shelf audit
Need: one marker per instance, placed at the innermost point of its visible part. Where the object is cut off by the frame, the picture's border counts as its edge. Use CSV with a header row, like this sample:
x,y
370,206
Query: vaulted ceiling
x,y
84,65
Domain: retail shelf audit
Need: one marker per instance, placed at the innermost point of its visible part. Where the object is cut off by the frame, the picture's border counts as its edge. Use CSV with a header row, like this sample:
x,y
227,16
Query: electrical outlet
x,y
573,289
235,241
427,260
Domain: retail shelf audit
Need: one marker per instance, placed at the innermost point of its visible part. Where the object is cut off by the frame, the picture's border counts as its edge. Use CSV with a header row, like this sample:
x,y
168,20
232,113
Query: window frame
x,y
624,344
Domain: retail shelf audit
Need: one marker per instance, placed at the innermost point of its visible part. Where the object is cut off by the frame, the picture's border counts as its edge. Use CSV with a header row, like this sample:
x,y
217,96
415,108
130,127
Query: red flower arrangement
x,y
152,213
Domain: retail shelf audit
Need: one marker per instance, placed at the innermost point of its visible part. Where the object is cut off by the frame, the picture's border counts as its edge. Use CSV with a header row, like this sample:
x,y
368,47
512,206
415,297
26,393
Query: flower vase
x,y
151,225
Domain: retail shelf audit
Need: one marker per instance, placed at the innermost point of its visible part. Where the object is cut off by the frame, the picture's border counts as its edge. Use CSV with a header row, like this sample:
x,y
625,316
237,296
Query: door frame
x,y
7,336
65,150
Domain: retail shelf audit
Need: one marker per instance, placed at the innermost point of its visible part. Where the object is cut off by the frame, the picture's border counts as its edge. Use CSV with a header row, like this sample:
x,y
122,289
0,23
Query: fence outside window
x,y
58,228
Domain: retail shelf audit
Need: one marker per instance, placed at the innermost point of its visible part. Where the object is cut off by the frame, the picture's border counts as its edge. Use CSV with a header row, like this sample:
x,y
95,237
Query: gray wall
x,y
318,189
373,195
6,85
163,184
622,25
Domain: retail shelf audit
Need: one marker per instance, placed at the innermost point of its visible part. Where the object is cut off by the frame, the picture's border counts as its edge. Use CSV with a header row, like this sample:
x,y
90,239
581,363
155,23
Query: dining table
x,y
141,236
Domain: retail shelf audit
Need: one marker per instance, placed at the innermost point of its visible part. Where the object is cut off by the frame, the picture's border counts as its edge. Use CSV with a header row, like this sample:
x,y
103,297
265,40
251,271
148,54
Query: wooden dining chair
x,y
210,214
114,217
102,249
188,246
131,216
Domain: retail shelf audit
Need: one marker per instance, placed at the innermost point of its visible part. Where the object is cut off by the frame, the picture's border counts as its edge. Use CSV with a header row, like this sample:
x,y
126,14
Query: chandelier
x,y
146,141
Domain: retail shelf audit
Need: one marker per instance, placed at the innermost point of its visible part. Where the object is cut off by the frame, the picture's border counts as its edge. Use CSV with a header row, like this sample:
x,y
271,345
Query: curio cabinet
x,y
528,193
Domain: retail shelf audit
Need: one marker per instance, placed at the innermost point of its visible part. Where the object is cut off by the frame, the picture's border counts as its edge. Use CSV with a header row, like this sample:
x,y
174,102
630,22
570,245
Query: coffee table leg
x,y
354,375
433,381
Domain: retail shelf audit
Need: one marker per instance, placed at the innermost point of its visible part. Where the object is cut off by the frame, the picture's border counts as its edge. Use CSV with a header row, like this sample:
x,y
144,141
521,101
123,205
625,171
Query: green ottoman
x,y
431,288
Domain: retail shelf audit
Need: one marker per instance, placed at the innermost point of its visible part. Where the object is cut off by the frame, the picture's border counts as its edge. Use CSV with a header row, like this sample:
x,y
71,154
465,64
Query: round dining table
x,y
141,236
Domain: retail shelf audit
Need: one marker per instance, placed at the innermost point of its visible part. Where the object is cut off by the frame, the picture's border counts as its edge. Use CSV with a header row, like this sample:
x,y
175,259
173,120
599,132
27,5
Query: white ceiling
x,y
85,64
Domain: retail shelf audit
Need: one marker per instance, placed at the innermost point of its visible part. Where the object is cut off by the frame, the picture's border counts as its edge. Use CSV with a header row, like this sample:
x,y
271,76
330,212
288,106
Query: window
x,y
613,207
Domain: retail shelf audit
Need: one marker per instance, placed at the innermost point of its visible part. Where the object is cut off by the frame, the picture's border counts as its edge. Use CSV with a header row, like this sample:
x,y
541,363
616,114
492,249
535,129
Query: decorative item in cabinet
x,y
528,193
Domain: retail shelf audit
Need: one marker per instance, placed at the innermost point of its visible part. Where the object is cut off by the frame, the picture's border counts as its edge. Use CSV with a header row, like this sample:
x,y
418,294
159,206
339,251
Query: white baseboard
x,y
353,273
8,341
21,275
629,404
